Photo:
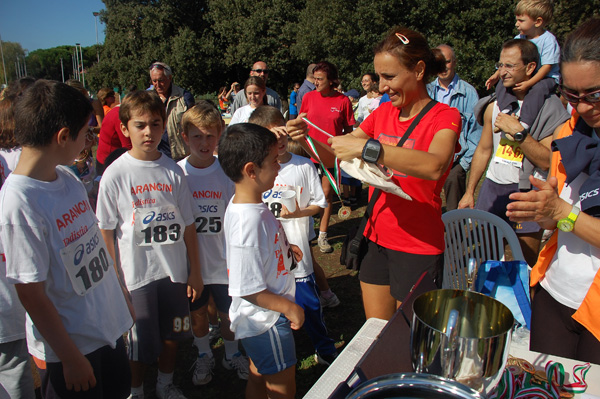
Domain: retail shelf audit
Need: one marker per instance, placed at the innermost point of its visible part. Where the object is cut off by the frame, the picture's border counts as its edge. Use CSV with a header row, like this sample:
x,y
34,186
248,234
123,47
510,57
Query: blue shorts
x,y
162,314
274,350
493,198
219,293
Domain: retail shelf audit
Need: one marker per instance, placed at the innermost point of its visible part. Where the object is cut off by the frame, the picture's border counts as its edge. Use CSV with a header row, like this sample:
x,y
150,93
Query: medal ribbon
x,y
522,387
335,182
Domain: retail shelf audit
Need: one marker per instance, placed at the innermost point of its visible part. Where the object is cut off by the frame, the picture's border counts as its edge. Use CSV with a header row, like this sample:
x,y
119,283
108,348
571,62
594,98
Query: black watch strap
x,y
371,151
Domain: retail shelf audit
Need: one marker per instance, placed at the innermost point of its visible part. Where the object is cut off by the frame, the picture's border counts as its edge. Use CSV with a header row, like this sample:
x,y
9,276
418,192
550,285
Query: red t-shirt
x,y
111,136
332,114
410,226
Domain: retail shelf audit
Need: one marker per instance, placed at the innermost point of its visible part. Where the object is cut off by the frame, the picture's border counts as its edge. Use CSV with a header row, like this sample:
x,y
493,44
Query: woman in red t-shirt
x,y
405,238
332,112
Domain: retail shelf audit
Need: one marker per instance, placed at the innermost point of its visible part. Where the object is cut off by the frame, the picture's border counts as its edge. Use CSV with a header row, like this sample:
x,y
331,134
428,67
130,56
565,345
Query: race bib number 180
x,y
87,261
158,226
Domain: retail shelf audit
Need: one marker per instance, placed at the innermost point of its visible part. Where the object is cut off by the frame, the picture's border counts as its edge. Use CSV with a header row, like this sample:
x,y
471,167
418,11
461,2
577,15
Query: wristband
x,y
371,151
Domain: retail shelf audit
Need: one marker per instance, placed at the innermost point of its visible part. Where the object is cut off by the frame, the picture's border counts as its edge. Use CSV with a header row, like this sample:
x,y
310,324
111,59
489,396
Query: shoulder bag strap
x,y
376,192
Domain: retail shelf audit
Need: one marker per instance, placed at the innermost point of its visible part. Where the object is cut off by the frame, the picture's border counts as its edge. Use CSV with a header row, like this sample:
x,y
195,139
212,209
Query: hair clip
x,y
402,38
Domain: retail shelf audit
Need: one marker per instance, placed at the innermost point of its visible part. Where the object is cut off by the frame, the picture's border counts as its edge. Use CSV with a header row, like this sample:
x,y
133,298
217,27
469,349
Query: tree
x,y
12,51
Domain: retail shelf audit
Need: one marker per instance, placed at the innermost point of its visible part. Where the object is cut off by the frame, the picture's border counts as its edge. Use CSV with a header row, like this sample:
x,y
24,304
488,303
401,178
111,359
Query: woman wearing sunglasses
x,y
565,316
405,237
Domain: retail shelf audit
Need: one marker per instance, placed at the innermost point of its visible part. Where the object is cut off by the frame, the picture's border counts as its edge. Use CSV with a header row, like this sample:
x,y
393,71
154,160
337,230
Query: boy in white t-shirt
x,y
144,202
260,261
77,310
212,190
299,175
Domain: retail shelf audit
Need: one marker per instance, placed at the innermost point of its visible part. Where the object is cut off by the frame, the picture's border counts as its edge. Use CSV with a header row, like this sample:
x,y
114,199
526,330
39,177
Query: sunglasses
x,y
261,70
590,98
160,66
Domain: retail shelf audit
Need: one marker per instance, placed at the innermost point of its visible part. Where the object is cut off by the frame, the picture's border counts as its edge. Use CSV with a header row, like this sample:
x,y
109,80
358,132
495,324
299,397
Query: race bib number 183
x,y
158,226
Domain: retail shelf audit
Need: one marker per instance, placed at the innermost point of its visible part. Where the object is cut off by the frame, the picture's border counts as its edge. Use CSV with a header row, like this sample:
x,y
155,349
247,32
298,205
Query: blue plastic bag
x,y
508,282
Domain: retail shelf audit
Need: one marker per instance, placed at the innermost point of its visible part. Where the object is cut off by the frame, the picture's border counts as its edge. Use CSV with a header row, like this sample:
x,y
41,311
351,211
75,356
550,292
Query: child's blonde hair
x,y
202,115
535,9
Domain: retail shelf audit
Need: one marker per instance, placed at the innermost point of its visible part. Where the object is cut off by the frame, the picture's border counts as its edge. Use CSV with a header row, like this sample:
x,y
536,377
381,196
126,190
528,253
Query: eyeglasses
x,y
591,98
161,66
508,67
266,71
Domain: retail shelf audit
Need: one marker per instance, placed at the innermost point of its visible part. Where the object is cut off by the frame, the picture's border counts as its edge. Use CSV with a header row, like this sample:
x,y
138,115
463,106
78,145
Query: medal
x,y
344,212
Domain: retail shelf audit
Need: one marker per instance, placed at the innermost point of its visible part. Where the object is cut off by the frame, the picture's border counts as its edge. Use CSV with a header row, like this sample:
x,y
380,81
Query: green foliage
x,y
211,43
11,51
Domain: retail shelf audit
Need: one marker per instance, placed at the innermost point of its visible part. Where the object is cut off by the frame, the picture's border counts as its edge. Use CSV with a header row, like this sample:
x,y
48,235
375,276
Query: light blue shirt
x,y
463,97
549,50
442,95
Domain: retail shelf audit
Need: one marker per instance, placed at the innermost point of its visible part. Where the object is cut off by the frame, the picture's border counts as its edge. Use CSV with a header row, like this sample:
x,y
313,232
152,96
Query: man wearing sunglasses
x,y
515,152
258,69
177,101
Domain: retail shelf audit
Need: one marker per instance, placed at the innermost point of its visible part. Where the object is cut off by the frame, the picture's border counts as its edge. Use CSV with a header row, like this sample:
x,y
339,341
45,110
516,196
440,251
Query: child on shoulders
x,y
260,261
532,17
212,190
144,201
77,310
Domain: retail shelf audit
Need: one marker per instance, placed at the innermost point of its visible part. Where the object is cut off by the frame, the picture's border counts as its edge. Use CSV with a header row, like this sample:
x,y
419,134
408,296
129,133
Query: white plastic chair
x,y
472,233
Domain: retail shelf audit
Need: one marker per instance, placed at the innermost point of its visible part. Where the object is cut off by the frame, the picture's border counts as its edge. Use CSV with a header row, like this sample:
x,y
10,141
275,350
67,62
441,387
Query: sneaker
x,y
330,302
240,363
137,396
203,369
169,392
324,245
214,331
325,360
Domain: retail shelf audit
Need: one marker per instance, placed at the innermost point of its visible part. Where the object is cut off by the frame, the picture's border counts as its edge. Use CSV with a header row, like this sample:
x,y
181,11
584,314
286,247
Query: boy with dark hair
x,y
212,190
144,202
77,310
259,259
299,175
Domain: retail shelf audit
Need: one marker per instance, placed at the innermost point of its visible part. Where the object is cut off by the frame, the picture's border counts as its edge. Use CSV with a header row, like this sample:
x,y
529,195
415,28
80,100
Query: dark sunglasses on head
x,y
160,66
261,70
590,97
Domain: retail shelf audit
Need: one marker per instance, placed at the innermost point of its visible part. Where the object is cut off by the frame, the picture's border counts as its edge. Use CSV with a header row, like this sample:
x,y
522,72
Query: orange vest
x,y
587,314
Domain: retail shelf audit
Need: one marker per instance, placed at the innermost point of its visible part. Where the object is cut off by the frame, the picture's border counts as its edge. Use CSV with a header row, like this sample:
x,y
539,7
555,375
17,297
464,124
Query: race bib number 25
x,y
210,221
87,261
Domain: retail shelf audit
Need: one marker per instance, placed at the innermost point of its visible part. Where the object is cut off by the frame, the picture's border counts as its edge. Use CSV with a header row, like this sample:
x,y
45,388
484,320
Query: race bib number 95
x,y
87,261
158,226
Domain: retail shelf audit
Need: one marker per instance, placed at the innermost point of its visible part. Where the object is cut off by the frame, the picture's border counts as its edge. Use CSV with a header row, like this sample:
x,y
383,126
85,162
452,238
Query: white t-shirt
x,y
149,205
12,314
50,235
259,258
300,175
8,160
241,115
575,262
212,190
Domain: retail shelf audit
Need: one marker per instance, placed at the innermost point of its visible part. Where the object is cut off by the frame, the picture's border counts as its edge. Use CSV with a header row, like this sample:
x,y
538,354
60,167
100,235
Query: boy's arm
x,y
540,74
109,241
78,372
299,213
268,300
195,283
492,80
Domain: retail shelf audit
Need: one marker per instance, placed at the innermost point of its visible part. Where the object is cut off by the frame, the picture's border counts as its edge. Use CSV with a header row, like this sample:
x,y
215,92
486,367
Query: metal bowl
x,y
413,385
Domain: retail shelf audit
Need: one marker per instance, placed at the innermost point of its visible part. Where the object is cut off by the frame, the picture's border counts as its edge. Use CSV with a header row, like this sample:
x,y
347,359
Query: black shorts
x,y
220,295
111,369
399,270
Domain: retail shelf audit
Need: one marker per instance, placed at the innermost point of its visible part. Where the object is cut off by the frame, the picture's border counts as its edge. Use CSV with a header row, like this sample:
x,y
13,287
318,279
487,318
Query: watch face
x,y
565,225
371,152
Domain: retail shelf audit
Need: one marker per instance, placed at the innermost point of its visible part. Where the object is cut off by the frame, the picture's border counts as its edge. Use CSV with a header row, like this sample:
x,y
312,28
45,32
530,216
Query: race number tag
x,y
273,199
509,152
210,222
87,261
158,226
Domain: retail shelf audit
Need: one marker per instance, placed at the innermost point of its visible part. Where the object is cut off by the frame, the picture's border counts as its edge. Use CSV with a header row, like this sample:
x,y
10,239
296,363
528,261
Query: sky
x,y
42,24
